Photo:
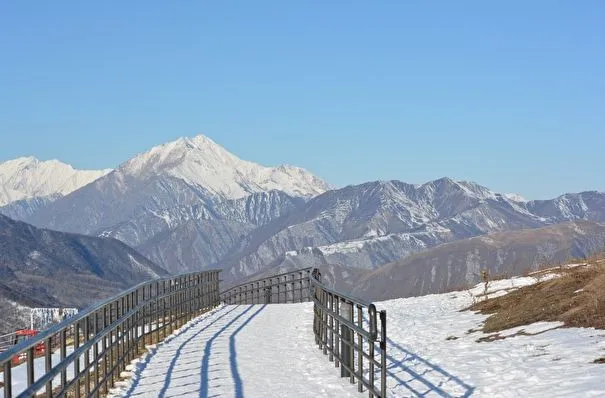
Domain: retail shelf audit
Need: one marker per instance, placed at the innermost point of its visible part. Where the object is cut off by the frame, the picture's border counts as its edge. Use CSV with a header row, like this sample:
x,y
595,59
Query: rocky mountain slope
x,y
186,172
371,224
458,264
190,204
41,266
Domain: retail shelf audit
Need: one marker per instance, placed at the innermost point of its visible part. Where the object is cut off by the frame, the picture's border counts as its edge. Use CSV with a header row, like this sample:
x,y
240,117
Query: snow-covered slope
x,y
200,161
375,223
434,349
28,177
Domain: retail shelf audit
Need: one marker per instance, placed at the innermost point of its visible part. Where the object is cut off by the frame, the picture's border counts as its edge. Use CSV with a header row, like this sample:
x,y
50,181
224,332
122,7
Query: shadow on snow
x,y
406,365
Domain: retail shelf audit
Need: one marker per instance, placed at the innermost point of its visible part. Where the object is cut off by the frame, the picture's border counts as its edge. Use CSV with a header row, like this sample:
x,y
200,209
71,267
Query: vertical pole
x,y
87,355
383,354
30,366
157,291
95,352
112,350
104,350
338,332
351,347
270,290
164,313
127,332
331,324
371,372
359,348
300,293
77,361
346,339
8,380
48,364
63,354
324,323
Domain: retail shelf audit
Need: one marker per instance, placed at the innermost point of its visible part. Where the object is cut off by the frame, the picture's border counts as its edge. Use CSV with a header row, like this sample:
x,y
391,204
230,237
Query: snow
x,y
353,246
19,373
142,267
28,177
515,197
433,350
237,351
431,338
200,161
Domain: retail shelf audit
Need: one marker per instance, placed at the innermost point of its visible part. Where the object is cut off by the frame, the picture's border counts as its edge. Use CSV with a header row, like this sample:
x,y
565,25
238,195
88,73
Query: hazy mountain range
x,y
190,204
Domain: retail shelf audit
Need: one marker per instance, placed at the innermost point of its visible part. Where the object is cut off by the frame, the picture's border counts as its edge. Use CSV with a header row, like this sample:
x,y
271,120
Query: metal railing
x,y
7,341
86,353
10,339
348,330
289,287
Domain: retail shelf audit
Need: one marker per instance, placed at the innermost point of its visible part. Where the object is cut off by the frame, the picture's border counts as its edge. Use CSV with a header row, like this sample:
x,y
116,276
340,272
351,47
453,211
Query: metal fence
x,y
289,287
347,329
350,330
7,341
86,353
40,318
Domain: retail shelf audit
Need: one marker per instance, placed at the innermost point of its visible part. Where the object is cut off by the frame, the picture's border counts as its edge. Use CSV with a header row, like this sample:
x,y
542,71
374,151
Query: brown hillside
x,y
577,298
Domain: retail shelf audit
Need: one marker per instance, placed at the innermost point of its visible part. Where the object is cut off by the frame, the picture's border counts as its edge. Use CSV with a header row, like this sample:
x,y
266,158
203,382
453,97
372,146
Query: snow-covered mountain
x,y
201,162
371,224
184,173
457,264
190,204
27,178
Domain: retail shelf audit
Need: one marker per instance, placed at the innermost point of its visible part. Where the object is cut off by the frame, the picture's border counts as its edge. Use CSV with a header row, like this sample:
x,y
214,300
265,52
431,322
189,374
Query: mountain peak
x,y
201,161
28,177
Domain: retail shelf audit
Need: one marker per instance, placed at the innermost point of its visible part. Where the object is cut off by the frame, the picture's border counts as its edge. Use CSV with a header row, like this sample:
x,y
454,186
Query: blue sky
x,y
508,94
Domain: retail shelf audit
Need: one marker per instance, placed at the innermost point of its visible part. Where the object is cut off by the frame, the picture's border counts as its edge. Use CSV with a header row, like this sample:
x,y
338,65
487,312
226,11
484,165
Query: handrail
x,y
108,335
293,286
26,344
338,318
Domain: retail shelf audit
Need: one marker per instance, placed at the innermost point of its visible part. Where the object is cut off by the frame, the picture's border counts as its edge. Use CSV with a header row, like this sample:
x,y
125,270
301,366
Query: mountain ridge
x,y
28,177
65,268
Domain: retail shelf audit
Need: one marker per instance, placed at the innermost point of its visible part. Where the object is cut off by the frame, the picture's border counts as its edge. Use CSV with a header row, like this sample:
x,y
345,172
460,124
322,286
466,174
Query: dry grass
x,y
577,298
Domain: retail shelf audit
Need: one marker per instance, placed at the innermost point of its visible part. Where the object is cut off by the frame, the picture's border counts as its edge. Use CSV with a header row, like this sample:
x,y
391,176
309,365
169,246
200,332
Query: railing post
x,y
87,355
300,293
359,349
383,354
331,325
48,365
346,339
95,353
160,315
105,353
324,323
30,367
77,361
8,380
338,334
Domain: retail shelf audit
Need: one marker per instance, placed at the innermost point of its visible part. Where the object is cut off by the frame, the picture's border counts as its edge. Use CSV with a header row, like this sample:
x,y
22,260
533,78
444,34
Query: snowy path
x,y
269,351
235,352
